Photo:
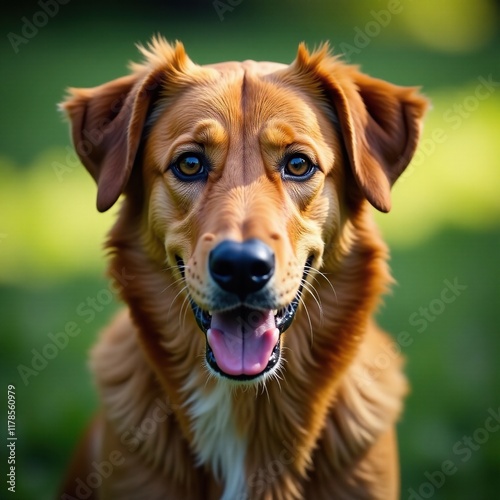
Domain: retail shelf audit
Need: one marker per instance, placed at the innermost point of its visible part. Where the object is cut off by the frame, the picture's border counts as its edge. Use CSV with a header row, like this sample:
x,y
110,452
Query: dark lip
x,y
283,318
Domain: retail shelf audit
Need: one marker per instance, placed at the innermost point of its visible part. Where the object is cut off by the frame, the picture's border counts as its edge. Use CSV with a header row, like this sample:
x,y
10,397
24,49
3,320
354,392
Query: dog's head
x,y
247,173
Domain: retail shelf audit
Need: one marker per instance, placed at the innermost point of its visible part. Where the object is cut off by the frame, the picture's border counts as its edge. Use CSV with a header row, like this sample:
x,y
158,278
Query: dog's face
x,y
248,172
244,176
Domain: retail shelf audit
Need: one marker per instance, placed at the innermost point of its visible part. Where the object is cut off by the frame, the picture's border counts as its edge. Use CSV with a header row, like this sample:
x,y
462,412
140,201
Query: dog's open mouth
x,y
244,343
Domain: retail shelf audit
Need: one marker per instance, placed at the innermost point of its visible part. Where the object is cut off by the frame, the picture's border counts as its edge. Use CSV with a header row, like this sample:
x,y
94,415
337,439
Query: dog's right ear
x,y
107,121
106,127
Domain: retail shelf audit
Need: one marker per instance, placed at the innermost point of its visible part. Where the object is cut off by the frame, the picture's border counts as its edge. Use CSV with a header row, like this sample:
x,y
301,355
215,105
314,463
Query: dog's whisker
x,y
184,288
174,268
314,276
276,377
169,268
313,293
308,319
325,277
174,283
265,390
184,311
309,287
209,373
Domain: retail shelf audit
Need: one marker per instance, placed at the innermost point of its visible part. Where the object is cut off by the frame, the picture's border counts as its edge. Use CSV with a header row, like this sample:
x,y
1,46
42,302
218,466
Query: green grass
x,y
452,362
444,224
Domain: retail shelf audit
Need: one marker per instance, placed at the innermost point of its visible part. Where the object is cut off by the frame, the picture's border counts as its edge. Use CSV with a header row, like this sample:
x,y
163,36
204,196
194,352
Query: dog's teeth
x,y
275,312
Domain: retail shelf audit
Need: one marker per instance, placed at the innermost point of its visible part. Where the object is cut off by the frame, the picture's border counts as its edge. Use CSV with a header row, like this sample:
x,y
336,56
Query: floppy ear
x,y
106,124
381,125
380,122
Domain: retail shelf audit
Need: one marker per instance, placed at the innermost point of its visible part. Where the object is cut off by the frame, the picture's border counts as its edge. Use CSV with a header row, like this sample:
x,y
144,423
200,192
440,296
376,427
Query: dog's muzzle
x,y
243,342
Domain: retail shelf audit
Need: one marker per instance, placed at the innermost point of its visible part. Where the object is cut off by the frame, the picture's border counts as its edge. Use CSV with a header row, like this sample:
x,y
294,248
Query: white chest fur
x,y
217,443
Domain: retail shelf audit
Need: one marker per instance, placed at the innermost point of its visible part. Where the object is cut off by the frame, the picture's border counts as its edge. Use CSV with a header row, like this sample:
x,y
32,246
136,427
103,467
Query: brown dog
x,y
244,364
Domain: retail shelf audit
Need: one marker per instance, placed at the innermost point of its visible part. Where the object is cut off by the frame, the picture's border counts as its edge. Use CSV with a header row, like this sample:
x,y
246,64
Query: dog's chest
x,y
216,442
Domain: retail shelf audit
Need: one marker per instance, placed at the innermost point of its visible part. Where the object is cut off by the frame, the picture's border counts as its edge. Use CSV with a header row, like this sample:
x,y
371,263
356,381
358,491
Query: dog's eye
x,y
298,167
189,166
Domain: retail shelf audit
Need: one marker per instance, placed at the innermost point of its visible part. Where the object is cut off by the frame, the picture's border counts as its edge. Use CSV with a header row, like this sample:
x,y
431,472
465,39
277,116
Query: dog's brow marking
x,y
210,132
216,440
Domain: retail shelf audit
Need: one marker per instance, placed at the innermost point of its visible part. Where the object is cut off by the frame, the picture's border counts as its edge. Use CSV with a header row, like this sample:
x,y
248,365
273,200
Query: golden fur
x,y
322,424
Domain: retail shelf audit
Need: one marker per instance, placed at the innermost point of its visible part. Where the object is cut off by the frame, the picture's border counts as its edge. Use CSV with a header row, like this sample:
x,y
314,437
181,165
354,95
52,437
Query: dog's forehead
x,y
248,67
248,95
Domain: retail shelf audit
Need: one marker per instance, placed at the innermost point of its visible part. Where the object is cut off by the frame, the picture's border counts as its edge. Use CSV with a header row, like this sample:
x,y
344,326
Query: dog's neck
x,y
263,439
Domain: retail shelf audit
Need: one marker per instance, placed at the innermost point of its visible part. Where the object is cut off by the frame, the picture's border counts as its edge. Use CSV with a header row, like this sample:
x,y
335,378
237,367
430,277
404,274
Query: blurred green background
x,y
444,227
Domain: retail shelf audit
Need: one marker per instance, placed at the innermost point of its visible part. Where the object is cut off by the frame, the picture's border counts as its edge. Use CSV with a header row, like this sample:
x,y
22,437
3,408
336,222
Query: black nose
x,y
241,267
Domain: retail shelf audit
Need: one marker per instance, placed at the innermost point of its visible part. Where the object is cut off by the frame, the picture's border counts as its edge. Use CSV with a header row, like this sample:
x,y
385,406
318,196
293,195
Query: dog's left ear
x,y
380,122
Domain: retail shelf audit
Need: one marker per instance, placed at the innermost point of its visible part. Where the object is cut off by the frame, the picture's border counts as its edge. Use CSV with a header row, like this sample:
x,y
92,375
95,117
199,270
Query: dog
x,y
247,362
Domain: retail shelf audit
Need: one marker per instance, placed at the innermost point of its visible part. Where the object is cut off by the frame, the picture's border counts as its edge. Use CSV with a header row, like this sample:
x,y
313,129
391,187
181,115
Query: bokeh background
x,y
444,229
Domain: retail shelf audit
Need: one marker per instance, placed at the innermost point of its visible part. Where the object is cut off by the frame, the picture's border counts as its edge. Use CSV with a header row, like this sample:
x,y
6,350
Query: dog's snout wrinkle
x,y
242,267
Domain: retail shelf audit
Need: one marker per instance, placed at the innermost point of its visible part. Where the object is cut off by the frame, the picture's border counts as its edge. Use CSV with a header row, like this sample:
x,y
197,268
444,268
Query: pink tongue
x,y
243,344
